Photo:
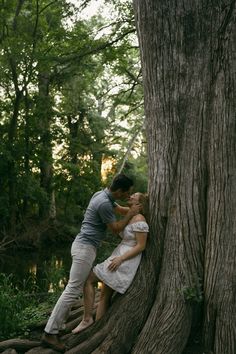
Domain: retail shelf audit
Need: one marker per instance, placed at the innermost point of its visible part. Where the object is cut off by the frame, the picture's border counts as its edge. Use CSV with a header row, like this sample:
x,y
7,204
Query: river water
x,y
47,267
39,269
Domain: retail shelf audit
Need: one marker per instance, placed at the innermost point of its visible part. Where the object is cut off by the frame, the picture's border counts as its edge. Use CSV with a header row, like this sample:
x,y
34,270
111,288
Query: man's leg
x,y
89,295
83,257
105,301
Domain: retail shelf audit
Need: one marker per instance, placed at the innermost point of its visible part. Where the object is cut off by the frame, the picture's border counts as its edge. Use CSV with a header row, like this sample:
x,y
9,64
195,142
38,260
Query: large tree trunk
x,y
26,153
12,185
188,59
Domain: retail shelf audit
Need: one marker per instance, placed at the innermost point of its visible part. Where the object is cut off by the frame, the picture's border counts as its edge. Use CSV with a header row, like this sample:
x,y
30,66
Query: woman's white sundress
x,y
121,279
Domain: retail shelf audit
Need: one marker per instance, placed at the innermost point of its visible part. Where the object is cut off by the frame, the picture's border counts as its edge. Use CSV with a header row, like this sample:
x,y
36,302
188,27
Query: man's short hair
x,y
122,182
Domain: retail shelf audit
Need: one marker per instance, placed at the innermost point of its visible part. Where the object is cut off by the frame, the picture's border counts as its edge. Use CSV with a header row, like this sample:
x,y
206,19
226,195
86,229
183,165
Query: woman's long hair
x,y
143,199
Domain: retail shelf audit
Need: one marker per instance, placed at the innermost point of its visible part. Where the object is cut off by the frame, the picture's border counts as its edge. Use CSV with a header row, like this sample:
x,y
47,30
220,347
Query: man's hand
x,y
134,209
118,226
115,263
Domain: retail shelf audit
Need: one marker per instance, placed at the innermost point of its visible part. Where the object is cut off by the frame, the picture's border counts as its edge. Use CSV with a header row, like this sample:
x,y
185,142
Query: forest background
x,y
71,117
71,113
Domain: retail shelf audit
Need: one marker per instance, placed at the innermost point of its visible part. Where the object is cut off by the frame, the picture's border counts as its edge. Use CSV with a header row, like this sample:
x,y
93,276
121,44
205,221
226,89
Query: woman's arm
x,y
141,238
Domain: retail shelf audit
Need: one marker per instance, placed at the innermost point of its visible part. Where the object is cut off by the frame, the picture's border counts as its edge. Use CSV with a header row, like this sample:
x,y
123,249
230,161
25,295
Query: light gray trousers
x,y
83,256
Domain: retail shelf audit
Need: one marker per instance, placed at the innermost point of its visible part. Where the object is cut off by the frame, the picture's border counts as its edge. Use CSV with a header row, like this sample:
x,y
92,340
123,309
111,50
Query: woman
x,y
117,271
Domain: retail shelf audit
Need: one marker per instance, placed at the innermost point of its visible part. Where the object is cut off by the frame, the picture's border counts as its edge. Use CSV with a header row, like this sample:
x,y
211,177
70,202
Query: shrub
x,y
12,302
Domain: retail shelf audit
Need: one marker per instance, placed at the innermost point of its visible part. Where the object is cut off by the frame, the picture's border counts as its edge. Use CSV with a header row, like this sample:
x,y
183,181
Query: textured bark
x,y
11,162
10,351
220,260
44,108
27,151
18,344
188,59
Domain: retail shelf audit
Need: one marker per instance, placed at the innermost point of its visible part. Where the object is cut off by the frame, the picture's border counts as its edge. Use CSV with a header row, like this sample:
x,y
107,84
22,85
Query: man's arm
x,y
121,210
118,226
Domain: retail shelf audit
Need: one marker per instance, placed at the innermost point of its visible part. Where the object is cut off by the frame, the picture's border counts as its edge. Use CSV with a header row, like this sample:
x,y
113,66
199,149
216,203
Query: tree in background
x,y
66,83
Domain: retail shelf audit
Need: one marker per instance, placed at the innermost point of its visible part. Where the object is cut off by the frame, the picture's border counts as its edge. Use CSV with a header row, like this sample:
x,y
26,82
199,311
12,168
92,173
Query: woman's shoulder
x,y
139,224
137,218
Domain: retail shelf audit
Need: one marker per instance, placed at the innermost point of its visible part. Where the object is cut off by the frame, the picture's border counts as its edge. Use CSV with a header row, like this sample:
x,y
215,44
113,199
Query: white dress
x,y
121,279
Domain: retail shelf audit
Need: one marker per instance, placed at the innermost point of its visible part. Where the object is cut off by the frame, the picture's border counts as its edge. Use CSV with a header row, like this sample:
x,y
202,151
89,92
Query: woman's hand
x,y
115,263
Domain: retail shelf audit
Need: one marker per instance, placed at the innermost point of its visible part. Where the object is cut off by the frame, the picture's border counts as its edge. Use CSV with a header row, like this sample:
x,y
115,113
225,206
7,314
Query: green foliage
x,y
36,313
74,86
12,303
55,276
33,315
192,294
20,304
137,170
20,310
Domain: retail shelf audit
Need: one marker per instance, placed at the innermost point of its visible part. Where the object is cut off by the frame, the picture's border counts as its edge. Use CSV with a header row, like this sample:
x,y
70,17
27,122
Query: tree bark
x,y
26,152
44,110
18,344
188,60
11,163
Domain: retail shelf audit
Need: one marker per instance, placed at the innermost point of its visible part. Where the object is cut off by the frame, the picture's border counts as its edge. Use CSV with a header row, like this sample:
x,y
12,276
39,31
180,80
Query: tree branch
x,y
45,7
130,145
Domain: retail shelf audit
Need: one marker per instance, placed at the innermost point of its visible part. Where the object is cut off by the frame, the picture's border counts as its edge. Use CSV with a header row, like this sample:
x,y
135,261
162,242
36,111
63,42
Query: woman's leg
x,y
89,295
105,301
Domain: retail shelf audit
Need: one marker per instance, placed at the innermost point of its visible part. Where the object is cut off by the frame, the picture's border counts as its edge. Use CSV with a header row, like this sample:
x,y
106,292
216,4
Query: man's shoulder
x,y
97,197
100,199
97,194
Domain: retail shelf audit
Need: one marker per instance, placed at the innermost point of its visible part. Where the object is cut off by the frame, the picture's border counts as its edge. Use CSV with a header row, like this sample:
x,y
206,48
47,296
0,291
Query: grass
x,y
21,305
12,302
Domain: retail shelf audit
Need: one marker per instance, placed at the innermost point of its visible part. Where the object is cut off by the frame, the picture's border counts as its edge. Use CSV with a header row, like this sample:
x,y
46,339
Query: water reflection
x,y
43,270
33,269
47,268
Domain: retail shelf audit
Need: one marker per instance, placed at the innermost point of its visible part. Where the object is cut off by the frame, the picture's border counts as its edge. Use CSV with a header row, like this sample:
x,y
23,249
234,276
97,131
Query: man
x,y
99,216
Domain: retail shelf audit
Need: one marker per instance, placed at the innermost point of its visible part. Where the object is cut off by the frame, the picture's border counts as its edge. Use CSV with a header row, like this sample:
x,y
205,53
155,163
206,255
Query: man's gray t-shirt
x,y
99,213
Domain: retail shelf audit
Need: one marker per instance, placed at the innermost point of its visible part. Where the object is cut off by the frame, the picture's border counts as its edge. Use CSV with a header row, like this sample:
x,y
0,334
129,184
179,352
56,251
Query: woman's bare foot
x,y
82,325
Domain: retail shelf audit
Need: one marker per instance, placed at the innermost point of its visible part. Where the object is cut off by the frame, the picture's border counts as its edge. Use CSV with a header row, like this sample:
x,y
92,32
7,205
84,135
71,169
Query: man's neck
x,y
115,195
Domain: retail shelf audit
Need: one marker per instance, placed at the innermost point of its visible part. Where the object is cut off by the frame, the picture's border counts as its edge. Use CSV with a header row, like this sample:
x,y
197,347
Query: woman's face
x,y
133,199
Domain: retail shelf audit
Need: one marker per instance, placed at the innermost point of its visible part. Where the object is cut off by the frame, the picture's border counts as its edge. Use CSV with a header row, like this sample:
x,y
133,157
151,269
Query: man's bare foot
x,y
82,325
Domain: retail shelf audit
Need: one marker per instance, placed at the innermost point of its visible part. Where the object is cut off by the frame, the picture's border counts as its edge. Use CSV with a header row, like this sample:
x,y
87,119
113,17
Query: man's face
x,y
125,195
